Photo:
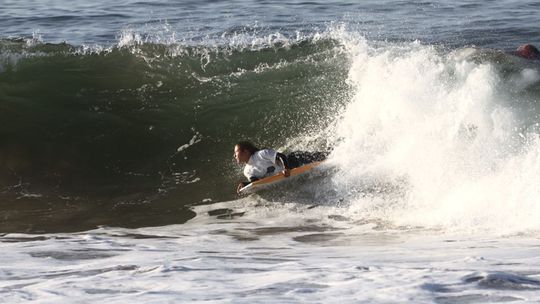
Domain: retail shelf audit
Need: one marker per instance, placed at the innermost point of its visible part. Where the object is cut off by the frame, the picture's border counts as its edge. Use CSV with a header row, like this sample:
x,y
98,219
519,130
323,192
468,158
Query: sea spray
x,y
442,130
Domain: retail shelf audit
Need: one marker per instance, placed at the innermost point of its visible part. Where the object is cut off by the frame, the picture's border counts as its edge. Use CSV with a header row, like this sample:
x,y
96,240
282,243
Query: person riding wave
x,y
260,163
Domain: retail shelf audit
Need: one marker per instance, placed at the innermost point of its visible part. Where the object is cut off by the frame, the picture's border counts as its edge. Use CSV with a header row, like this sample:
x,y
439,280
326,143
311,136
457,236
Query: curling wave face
x,y
143,126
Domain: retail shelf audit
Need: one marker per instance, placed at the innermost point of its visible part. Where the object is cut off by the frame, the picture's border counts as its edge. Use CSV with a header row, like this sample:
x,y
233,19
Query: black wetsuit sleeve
x,y
247,183
283,159
251,180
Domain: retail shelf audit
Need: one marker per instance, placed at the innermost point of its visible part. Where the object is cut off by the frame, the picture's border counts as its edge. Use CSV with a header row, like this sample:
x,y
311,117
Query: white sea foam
x,y
195,139
442,129
266,257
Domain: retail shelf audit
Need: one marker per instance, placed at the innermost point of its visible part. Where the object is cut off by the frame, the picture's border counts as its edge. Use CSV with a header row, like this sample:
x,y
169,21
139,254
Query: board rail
x,y
270,180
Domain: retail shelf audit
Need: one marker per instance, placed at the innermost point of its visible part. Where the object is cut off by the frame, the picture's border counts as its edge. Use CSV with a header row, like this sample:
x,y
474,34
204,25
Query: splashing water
x,y
442,133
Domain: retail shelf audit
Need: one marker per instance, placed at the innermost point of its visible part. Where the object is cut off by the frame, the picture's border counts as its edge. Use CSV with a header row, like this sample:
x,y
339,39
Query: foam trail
x,y
438,136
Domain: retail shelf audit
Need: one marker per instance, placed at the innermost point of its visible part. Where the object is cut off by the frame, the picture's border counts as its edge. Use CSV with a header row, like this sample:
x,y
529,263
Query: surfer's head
x,y
243,151
528,51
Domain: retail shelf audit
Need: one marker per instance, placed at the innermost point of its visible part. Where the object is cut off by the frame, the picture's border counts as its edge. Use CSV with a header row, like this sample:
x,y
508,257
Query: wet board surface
x,y
276,179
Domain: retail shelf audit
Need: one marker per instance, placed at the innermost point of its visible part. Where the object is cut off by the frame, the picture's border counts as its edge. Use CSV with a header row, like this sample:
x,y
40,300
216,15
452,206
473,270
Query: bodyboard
x,y
275,179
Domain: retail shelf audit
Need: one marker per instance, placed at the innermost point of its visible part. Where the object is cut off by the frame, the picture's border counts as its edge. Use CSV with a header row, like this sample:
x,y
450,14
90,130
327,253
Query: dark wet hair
x,y
247,145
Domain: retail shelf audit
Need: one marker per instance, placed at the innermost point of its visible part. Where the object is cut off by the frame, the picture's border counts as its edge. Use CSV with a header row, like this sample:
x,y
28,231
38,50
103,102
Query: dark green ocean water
x,y
104,133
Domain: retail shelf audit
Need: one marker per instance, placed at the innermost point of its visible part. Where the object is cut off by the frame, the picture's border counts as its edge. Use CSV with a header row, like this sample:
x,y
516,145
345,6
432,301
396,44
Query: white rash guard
x,y
261,164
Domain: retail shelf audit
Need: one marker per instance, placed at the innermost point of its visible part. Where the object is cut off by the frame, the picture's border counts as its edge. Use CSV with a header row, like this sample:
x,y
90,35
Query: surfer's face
x,y
241,156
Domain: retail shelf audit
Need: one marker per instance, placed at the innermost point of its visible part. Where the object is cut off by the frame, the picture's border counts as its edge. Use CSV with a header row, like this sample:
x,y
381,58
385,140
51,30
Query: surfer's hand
x,y
240,186
286,172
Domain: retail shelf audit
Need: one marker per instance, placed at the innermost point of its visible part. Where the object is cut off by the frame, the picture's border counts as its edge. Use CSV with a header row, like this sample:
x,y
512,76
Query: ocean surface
x,y
118,121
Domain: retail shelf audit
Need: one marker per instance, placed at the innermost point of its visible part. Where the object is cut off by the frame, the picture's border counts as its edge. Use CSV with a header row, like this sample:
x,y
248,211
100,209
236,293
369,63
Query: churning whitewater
x,y
452,136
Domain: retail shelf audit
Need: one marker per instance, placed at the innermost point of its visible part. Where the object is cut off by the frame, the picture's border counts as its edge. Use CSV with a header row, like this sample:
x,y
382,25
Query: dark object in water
x,y
528,51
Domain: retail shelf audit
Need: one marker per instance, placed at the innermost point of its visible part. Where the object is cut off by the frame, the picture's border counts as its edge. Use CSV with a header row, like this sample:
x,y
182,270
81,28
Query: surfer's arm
x,y
243,184
282,159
